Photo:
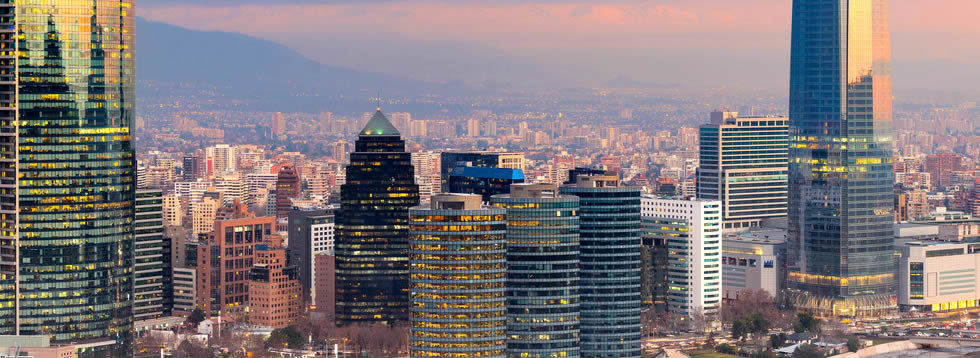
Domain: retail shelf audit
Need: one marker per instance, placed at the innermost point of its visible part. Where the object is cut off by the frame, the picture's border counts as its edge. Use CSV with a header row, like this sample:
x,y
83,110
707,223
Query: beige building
x,y
753,261
202,219
936,276
173,210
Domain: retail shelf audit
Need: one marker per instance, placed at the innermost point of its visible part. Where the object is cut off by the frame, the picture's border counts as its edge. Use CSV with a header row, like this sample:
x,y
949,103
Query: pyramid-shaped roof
x,y
379,125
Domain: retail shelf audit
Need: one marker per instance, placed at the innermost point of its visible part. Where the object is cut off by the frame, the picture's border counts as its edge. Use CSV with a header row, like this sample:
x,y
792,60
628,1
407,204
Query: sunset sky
x,y
736,43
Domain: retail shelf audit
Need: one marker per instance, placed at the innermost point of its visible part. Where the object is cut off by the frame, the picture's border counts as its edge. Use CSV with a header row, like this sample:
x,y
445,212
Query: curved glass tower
x,y
458,272
67,180
610,272
542,271
840,170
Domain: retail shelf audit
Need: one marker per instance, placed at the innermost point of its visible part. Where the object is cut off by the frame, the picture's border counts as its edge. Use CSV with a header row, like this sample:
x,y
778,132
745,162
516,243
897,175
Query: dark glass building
x,y
372,227
458,276
841,252
542,271
486,182
654,255
287,188
610,270
67,186
483,159
153,291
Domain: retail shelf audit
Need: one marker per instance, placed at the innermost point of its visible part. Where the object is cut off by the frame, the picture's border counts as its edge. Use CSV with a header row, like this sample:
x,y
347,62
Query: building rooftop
x,y
379,126
490,173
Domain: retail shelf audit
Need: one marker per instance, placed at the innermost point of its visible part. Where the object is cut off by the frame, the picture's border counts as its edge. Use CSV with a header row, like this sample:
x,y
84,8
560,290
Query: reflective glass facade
x,y
840,177
372,227
542,276
66,108
610,268
458,273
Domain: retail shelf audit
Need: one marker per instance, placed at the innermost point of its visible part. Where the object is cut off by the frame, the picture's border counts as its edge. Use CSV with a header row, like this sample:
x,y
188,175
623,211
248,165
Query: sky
x,y
698,43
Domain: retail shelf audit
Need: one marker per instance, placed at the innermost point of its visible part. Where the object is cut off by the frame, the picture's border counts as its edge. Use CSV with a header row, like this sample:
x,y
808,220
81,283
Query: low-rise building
x,y
753,261
938,276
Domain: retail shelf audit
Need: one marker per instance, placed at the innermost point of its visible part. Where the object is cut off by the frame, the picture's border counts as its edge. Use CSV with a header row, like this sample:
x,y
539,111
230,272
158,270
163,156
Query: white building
x,y
221,158
185,289
692,229
938,276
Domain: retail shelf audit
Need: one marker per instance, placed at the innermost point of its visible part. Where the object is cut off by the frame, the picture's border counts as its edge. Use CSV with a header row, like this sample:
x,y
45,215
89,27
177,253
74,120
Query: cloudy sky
x,y
734,43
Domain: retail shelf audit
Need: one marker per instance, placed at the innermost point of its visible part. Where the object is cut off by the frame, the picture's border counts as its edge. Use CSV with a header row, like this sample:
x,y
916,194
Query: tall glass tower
x,y
542,271
458,273
840,169
67,178
610,270
372,227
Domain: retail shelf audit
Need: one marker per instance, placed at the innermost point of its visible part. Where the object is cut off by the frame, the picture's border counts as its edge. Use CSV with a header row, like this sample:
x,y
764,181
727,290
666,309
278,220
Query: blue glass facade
x,y
840,170
610,271
542,275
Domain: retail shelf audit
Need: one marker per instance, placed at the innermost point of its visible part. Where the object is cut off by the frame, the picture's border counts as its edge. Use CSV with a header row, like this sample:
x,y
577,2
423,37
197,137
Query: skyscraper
x,y
287,188
840,170
458,273
372,227
610,265
542,271
153,266
743,164
484,181
68,183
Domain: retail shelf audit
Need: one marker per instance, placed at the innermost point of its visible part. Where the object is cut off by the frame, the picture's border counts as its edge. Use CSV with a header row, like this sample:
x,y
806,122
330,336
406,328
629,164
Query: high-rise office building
x,y
311,233
190,170
744,164
610,265
152,277
287,188
274,292
372,227
224,260
692,231
486,182
542,271
66,242
483,159
941,167
458,274
841,252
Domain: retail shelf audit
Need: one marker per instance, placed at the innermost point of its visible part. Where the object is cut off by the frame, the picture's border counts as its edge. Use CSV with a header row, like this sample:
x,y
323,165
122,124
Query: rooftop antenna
x,y
379,100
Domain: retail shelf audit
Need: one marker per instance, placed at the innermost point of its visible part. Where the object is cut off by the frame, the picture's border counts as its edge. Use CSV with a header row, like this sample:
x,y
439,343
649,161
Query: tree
x,y
726,348
758,324
288,337
196,317
778,340
740,329
806,322
852,344
191,348
806,350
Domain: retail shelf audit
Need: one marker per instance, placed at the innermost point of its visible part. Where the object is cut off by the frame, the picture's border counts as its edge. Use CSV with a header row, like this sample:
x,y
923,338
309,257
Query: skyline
x,y
696,43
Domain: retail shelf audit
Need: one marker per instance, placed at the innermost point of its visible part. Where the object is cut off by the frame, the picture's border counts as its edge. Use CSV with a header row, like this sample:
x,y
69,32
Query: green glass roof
x,y
379,125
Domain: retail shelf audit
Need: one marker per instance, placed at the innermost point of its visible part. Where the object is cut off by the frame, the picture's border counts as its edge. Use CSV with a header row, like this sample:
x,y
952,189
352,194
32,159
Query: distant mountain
x,y
245,67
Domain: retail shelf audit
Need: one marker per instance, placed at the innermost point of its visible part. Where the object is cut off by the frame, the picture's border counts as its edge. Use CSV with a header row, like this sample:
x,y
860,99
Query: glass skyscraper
x,y
458,272
542,271
610,270
840,171
372,227
67,172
